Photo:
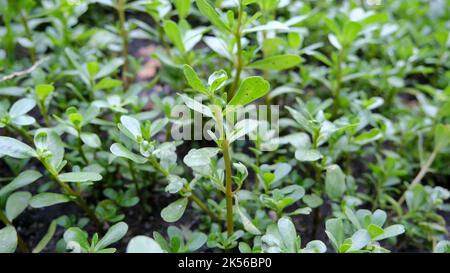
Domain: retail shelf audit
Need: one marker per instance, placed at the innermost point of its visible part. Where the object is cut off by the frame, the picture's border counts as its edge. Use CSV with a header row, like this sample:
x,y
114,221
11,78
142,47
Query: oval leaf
x,y
279,62
174,211
251,89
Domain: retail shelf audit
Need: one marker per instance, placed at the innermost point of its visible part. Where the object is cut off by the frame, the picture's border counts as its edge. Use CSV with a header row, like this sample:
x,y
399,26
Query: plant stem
x,y
423,171
21,243
124,34
228,187
239,61
22,132
79,200
32,50
133,176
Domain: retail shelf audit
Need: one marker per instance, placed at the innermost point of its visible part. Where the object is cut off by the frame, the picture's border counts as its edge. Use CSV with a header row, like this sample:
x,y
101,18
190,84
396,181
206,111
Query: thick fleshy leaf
x,y
196,106
23,179
359,240
21,107
196,241
243,128
121,151
391,231
143,244
200,157
315,246
288,234
173,33
46,199
174,211
193,79
279,62
16,204
217,80
209,12
107,83
335,182
43,90
91,140
8,239
15,148
114,234
251,89
248,225
23,120
132,125
306,155
79,177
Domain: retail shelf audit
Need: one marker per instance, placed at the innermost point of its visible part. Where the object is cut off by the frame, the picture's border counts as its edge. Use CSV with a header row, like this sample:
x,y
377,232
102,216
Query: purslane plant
x,y
354,152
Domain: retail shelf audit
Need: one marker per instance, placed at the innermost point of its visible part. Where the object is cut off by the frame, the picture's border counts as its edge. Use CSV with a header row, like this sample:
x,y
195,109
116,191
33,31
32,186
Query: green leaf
x,y
334,41
335,182
193,80
174,211
217,80
315,246
196,241
121,151
46,199
374,230
93,68
294,40
91,140
109,68
219,46
442,247
312,200
16,204
15,148
8,239
248,225
48,139
359,240
200,157
369,136
288,234
197,106
21,107
391,231
143,244
279,62
75,234
14,91
107,83
183,7
47,238
79,177
132,125
114,234
243,128
43,90
251,89
209,12
173,33
305,155
23,179
350,32
442,136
